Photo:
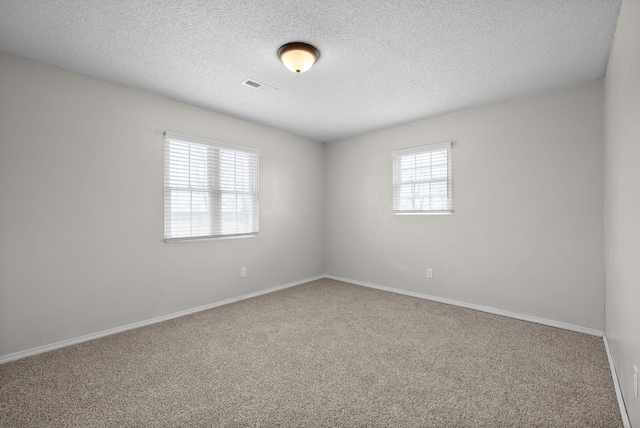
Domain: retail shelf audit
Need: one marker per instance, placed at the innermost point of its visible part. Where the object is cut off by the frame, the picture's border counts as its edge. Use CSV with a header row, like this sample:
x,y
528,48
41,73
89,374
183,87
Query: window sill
x,y
209,238
422,212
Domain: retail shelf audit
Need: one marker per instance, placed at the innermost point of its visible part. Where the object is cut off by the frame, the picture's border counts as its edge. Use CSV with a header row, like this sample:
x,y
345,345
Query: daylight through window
x,y
422,180
210,190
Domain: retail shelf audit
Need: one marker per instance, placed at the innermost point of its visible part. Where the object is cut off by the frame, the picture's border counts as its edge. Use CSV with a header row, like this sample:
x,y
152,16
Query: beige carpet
x,y
321,354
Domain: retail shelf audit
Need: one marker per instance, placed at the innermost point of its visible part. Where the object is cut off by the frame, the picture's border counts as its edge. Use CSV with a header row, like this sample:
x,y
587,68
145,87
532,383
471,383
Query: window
x,y
422,180
210,189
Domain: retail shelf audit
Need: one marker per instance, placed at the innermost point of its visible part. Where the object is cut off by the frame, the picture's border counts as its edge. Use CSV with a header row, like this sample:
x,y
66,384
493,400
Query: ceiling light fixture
x,y
297,56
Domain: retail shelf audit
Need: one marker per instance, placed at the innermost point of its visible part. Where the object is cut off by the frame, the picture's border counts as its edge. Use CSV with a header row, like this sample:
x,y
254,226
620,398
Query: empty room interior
x,y
339,213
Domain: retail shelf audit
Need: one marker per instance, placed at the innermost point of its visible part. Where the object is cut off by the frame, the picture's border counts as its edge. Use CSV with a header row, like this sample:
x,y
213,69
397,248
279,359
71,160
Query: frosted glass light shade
x,y
298,57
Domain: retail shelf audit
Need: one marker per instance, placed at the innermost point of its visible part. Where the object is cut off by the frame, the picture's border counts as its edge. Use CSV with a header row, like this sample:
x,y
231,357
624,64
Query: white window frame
x,y
213,189
398,156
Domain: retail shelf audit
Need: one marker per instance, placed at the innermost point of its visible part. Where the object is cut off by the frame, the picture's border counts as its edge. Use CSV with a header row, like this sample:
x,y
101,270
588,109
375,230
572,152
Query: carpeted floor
x,y
326,354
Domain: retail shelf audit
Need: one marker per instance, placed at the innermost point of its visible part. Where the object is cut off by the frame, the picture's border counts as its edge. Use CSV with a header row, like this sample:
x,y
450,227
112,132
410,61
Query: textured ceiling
x,y
382,63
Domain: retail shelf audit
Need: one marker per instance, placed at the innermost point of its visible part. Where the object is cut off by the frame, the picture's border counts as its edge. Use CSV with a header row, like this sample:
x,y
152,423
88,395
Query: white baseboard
x,y
616,384
91,336
543,321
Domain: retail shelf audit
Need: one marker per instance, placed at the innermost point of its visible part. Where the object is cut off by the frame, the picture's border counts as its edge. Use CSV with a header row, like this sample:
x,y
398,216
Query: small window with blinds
x,y
210,189
422,180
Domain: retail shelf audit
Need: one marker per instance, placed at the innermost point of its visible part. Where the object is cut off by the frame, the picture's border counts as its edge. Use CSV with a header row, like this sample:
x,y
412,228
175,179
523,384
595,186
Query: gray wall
x,y
81,218
526,235
622,202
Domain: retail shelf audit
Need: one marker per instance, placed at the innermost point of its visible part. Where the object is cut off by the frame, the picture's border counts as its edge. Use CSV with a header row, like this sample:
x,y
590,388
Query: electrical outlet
x,y
429,273
635,380
243,272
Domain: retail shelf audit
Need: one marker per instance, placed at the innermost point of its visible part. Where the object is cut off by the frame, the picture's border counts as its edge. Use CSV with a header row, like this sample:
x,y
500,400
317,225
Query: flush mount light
x,y
297,56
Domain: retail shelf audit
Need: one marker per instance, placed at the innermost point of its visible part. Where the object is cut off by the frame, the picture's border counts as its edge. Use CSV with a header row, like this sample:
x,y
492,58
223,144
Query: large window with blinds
x,y
210,189
422,180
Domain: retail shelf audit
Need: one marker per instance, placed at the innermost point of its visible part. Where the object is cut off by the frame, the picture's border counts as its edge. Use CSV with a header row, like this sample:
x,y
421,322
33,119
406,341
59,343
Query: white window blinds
x,y
422,180
210,189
